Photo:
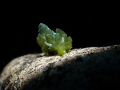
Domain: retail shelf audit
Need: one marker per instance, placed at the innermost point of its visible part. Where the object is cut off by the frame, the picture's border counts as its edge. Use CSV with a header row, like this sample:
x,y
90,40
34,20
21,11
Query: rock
x,y
79,69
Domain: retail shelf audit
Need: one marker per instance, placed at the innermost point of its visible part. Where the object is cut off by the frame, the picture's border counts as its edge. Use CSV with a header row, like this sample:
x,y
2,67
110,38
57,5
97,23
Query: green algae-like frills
x,y
51,42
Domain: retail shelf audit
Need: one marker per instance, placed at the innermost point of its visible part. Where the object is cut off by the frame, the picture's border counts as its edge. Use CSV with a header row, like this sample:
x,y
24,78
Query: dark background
x,y
89,26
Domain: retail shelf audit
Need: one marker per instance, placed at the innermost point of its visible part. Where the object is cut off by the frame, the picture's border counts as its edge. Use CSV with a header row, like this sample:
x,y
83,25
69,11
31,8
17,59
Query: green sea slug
x,y
53,42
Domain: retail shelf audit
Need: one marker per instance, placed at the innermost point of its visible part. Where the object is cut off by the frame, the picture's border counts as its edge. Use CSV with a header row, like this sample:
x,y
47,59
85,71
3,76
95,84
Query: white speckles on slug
x,y
48,44
62,41
53,33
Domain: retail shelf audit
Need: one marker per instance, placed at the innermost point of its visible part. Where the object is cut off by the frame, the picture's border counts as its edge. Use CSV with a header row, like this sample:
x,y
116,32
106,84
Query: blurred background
x,y
89,26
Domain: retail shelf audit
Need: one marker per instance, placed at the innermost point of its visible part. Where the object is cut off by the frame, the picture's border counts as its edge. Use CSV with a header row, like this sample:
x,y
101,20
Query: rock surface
x,y
92,68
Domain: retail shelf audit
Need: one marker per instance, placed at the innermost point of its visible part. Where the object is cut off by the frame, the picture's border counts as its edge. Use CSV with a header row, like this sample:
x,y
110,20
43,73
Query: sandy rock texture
x,y
91,68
